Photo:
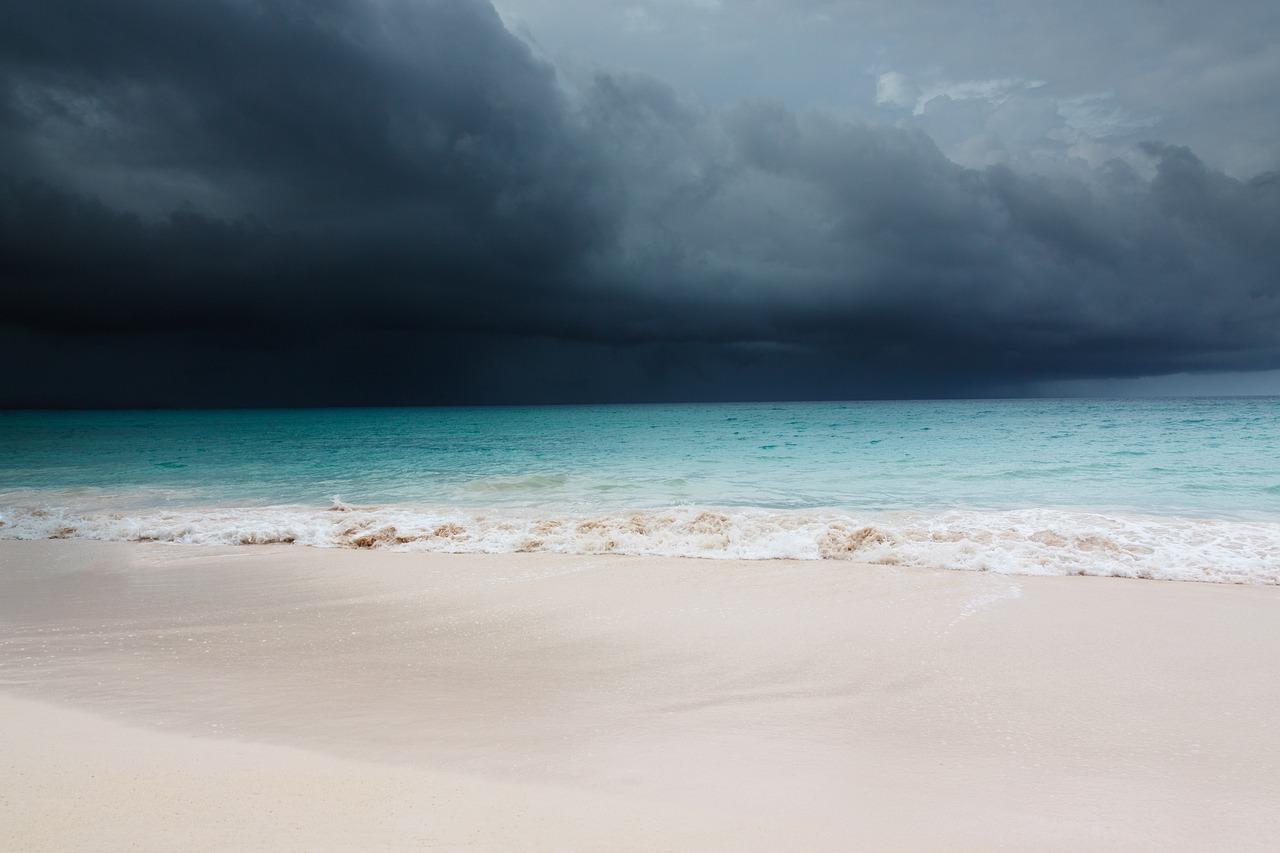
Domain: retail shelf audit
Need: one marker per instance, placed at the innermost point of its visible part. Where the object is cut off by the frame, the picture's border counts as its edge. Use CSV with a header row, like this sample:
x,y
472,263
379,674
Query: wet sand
x,y
162,697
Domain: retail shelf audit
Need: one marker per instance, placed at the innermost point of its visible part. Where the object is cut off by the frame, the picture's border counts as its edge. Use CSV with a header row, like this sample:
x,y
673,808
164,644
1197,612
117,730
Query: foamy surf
x,y
1030,541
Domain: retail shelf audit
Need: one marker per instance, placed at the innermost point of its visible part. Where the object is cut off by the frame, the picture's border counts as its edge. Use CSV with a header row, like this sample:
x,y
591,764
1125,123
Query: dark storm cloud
x,y
382,164
359,202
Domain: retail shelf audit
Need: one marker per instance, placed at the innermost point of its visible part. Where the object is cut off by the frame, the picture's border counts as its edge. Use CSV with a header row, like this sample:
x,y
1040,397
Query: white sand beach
x,y
181,697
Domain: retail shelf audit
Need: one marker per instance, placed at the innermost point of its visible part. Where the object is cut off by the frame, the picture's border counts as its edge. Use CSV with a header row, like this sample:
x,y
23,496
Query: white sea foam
x,y
1031,541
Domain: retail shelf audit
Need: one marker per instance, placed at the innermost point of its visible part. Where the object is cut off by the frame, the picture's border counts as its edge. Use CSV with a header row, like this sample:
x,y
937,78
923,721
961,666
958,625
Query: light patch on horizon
x,y
1262,383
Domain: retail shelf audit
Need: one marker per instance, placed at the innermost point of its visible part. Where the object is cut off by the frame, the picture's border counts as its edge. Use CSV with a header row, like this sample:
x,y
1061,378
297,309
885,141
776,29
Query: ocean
x,y
1171,488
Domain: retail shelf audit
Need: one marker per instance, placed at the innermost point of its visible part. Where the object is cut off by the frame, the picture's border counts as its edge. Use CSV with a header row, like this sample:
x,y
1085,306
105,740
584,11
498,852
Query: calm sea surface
x,y
907,470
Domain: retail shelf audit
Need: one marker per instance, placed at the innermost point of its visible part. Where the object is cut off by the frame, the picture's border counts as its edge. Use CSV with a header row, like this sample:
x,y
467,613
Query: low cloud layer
x,y
270,202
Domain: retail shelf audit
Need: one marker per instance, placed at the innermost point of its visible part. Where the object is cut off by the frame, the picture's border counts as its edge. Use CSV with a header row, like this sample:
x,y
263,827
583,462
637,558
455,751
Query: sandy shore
x,y
162,697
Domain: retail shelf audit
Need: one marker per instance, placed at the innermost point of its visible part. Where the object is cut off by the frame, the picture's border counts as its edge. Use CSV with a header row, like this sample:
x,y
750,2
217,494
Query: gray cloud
x,y
1183,71
273,202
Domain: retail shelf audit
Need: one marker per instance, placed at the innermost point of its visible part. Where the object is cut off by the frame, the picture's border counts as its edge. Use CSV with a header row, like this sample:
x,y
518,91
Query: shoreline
x,y
1044,541
537,700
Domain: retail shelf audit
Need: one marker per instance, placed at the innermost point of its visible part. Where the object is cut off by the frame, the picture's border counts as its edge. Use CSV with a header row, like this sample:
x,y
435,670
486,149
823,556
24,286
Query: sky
x,y
365,202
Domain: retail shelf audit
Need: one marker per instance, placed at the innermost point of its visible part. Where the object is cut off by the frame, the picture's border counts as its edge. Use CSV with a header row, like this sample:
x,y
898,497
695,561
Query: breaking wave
x,y
1031,541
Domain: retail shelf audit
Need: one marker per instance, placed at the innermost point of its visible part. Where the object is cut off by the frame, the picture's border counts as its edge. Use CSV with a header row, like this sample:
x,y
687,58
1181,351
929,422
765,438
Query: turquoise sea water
x,y
931,469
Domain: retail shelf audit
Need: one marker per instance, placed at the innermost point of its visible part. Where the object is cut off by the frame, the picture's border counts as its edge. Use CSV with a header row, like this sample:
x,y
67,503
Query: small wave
x,y
528,482
1032,541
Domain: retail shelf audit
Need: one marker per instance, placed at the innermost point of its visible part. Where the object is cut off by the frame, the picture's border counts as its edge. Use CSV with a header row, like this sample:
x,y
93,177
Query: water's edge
x,y
1044,541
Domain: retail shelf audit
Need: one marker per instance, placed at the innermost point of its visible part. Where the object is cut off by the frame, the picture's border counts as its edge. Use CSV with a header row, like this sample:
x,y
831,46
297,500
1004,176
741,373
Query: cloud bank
x,y
244,202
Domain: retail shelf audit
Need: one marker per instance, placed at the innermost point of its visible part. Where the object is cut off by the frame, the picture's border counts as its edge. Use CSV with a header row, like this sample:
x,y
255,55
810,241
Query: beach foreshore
x,y
161,697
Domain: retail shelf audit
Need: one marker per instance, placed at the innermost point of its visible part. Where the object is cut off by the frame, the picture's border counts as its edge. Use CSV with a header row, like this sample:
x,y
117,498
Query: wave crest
x,y
1032,541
